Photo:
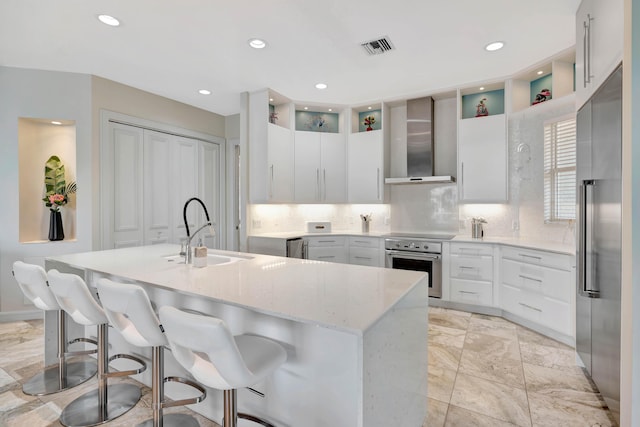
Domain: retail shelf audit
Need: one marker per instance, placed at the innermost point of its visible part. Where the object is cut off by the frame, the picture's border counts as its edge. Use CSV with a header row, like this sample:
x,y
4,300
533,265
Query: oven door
x,y
429,263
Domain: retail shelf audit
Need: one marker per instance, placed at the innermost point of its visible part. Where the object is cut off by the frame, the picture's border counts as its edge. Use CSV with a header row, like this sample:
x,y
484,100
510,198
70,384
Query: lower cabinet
x,y
364,251
538,286
330,248
471,273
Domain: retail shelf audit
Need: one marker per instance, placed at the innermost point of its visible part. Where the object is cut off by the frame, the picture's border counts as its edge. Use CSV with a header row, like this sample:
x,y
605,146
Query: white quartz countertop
x,y
294,234
338,296
521,242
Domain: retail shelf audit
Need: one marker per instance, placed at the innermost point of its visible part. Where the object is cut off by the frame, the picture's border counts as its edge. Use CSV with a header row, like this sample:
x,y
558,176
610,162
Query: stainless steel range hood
x,y
420,145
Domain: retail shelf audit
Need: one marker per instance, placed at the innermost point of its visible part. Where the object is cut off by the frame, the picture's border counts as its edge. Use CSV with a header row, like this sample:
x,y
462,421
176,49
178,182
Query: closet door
x,y
183,186
123,219
211,173
157,181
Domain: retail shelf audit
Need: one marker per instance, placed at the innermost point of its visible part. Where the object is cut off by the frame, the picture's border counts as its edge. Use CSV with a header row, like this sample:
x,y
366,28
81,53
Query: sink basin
x,y
212,259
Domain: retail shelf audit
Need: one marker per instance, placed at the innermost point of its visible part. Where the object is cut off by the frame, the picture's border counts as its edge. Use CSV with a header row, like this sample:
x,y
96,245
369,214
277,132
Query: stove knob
x,y
426,246
412,245
397,245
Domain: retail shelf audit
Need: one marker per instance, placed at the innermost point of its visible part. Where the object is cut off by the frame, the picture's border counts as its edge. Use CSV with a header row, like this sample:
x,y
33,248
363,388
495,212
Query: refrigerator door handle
x,y
586,264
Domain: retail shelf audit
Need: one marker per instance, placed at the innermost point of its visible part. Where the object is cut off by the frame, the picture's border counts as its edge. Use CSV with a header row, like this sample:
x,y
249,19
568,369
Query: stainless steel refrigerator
x,y
599,219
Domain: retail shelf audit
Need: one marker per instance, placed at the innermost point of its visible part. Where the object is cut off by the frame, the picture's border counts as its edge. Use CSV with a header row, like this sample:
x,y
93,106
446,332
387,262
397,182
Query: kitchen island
x,y
356,336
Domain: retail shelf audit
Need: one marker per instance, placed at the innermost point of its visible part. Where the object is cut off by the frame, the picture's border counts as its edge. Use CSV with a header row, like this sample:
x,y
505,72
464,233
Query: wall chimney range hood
x,y
420,145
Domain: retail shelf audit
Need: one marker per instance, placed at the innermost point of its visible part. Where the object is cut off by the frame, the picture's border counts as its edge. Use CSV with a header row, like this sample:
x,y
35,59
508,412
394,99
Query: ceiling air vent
x,y
378,46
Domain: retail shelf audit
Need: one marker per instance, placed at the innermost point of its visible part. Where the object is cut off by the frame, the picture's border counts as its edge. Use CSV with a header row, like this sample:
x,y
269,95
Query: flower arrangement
x,y
57,190
369,121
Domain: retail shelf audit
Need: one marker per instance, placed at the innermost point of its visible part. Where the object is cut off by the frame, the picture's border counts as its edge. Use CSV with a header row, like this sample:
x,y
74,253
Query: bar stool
x,y
230,362
32,280
107,402
129,310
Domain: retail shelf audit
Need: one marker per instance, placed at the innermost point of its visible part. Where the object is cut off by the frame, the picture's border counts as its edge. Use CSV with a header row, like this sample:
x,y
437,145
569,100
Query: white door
x,y
333,173
184,185
123,217
307,167
211,173
157,179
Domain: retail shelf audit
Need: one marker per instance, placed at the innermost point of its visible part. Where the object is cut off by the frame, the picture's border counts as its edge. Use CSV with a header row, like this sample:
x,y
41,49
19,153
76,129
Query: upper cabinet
x,y
367,154
320,167
599,44
482,146
271,153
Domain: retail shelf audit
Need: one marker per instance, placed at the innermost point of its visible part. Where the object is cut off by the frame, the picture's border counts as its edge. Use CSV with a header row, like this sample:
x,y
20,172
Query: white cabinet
x,y
366,167
599,44
482,159
365,251
329,248
320,167
538,286
280,163
471,273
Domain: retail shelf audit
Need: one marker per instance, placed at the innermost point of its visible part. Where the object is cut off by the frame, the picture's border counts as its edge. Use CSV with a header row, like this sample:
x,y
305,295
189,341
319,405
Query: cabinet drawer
x,y
471,292
326,241
551,282
530,256
470,249
537,308
364,242
472,267
364,256
329,254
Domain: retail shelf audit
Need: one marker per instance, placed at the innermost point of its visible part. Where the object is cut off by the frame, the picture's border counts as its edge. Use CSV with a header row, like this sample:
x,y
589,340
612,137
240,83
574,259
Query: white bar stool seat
x,y
230,362
129,310
32,280
107,402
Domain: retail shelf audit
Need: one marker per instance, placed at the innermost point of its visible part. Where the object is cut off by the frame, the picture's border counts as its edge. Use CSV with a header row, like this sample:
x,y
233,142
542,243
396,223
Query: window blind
x,y
560,170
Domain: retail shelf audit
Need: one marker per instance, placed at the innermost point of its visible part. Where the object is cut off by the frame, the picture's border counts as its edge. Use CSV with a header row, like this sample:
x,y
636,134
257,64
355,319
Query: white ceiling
x,y
175,47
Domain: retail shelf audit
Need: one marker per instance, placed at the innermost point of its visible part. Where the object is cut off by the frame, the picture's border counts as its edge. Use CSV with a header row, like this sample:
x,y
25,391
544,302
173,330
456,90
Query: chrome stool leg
x,y
107,402
231,413
158,403
64,374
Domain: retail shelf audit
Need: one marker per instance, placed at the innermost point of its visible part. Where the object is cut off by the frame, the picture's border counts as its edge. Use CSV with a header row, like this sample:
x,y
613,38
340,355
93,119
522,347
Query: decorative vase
x,y
369,128
56,232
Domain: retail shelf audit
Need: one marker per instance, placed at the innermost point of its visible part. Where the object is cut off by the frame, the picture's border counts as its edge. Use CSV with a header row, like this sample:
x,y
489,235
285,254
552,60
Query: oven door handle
x,y
412,255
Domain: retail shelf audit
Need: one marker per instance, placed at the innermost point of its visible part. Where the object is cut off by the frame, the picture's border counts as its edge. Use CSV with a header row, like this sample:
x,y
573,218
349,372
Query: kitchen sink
x,y
212,259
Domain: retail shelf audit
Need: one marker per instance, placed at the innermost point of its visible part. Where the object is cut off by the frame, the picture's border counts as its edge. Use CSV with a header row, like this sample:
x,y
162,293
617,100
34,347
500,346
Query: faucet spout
x,y
186,226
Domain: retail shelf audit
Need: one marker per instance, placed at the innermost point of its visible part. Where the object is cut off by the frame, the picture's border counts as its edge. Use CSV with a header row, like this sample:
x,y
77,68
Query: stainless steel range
x,y
419,252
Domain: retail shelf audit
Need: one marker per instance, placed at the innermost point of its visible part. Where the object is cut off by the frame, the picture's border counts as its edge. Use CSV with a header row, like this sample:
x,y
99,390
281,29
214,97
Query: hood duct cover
x,y
420,145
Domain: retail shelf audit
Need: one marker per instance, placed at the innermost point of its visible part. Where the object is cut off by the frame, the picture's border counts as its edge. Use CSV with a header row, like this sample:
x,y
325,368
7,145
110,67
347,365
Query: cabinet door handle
x,y
530,307
326,257
468,292
531,256
462,180
522,276
378,182
362,257
324,183
271,183
588,44
326,241
360,241
318,193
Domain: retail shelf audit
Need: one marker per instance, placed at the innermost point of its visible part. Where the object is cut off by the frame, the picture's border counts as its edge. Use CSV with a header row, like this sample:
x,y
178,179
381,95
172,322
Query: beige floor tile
x,y
493,326
459,417
440,383
436,413
527,335
549,357
569,384
498,368
548,411
491,346
448,336
444,356
448,320
493,399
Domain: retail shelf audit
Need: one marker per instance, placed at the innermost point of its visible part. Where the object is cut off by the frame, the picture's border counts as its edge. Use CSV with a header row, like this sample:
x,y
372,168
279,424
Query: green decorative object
x,y
56,194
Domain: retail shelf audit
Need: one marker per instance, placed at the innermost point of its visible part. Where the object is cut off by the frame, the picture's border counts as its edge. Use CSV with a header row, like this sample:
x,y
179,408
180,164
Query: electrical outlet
x,y
515,225
256,223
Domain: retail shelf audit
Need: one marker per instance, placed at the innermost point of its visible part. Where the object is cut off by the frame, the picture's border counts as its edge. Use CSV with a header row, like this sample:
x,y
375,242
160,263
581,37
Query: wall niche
x,y
39,139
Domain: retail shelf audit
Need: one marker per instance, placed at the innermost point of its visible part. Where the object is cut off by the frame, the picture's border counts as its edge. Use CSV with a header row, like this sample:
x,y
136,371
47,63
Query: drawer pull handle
x,y
360,241
531,256
522,276
326,257
530,307
362,257
464,267
468,292
474,250
326,241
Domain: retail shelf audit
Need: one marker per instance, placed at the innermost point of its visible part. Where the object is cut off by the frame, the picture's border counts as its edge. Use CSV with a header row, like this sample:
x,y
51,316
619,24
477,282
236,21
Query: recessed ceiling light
x,y
330,109
204,92
481,88
369,108
306,108
56,122
494,46
270,99
321,86
540,72
257,43
109,20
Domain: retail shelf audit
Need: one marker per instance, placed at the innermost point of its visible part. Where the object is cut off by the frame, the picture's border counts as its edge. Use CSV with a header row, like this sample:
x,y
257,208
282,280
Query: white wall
x,y
40,94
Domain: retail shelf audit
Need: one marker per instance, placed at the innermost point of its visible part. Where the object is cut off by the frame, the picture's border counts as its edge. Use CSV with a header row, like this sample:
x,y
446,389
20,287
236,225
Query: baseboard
x,y
14,316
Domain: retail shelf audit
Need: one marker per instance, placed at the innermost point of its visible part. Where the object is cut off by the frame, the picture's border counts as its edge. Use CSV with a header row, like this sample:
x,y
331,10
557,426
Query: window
x,y
560,170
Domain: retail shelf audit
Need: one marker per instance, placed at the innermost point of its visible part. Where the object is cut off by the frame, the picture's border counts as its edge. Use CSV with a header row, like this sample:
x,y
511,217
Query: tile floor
x,y
483,371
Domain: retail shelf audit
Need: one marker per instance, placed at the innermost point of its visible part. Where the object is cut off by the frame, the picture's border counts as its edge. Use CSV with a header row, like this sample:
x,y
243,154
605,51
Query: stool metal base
x,y
52,380
85,411
173,420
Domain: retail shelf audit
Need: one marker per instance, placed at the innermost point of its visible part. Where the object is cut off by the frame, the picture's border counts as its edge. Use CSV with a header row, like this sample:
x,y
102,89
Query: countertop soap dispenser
x,y
200,255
